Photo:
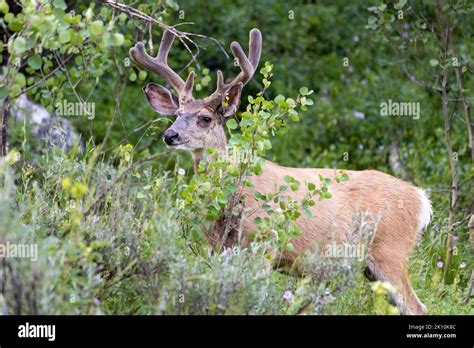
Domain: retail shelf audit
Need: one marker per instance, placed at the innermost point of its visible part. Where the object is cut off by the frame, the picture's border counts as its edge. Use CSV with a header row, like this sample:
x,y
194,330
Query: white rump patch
x,y
426,210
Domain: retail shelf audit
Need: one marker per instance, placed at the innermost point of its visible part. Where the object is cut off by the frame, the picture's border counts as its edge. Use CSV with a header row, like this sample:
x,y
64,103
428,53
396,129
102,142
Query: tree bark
x,y
4,126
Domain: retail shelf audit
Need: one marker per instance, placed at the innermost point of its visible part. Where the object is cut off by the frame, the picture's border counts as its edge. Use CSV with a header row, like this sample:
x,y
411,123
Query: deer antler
x,y
247,65
159,65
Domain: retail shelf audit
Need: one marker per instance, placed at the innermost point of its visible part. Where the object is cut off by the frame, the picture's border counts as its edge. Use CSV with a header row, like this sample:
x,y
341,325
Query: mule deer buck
x,y
199,124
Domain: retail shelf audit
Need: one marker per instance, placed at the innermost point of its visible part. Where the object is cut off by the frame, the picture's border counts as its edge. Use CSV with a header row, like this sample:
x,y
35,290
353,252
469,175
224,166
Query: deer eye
x,y
204,121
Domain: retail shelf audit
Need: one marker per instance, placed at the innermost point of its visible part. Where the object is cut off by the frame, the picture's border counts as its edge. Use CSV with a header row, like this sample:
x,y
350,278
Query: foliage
x,y
119,228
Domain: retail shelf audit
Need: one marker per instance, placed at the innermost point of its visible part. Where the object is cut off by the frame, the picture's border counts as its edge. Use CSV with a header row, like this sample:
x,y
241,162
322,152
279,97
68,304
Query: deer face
x,y
199,123
193,129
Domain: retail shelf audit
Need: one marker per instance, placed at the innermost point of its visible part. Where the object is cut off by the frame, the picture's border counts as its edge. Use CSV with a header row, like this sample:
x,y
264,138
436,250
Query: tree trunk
x,y
4,126
445,32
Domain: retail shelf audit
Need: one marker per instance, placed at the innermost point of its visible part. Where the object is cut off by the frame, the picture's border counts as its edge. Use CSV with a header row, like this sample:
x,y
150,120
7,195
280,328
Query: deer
x,y
199,124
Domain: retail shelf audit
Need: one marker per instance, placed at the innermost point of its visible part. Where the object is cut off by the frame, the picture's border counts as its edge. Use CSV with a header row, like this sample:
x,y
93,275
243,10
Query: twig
x,y
183,37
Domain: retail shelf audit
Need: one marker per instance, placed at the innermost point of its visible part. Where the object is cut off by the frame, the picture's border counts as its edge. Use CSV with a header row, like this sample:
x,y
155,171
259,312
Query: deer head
x,y
199,123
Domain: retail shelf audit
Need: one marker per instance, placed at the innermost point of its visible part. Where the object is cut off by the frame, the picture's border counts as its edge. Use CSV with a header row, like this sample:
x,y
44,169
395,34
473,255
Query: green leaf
x,y
205,80
291,102
231,124
3,92
64,36
295,186
279,99
19,45
3,7
60,4
293,115
9,17
20,79
372,20
304,91
257,168
344,177
96,28
433,62
119,39
15,90
35,62
400,4
142,75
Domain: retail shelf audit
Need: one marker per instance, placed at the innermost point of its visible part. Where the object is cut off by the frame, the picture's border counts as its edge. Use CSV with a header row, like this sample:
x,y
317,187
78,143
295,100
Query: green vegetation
x,y
119,225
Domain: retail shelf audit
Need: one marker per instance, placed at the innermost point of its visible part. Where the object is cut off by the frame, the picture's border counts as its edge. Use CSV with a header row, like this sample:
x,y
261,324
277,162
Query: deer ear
x,y
161,99
231,101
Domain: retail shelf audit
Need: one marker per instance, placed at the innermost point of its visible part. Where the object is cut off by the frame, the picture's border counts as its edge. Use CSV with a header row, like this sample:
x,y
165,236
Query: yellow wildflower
x,y
125,152
12,157
78,190
66,184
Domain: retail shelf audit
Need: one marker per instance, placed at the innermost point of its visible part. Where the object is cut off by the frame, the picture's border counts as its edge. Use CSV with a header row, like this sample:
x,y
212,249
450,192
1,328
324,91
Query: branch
x,y
183,37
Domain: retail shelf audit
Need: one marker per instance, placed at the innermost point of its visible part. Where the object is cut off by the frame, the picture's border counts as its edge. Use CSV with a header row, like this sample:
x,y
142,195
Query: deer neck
x,y
199,155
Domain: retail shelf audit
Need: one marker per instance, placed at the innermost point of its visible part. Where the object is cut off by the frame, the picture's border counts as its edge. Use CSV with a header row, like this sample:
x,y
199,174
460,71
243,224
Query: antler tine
x,y
159,64
220,80
165,46
188,87
255,47
247,65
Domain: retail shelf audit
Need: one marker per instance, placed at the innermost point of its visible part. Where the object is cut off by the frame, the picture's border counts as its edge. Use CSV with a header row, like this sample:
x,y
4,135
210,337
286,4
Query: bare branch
x,y
184,37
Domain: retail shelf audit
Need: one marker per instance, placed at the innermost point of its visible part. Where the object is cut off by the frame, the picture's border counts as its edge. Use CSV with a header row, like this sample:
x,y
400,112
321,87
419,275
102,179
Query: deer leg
x,y
393,269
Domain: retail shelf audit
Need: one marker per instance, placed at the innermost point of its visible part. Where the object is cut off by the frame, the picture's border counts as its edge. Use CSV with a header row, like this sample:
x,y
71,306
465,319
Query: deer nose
x,y
170,136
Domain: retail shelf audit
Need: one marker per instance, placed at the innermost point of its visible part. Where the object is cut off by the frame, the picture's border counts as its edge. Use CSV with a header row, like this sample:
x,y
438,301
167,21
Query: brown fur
x,y
396,201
